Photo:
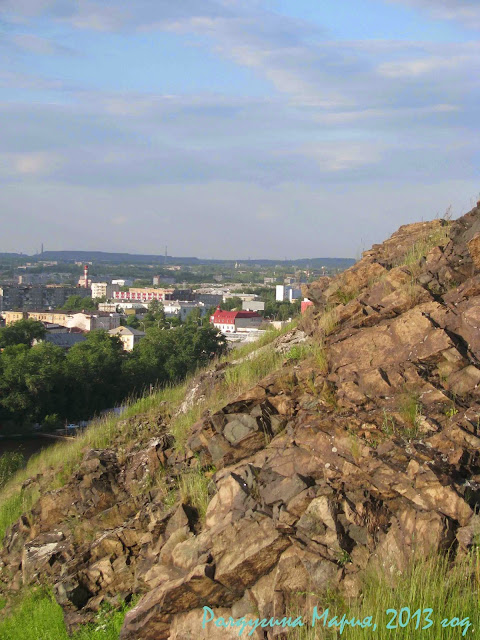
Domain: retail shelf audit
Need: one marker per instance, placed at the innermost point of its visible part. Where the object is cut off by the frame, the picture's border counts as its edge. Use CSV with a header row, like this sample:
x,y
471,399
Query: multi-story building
x,y
182,310
209,299
287,293
81,320
236,321
104,290
11,297
30,297
180,294
146,294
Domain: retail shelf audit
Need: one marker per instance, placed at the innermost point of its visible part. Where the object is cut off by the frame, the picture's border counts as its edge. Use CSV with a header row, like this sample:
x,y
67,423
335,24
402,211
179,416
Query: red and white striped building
x,y
142,295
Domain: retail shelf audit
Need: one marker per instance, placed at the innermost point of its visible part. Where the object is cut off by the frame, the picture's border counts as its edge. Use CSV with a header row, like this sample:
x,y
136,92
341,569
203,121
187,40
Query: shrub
x,y
10,463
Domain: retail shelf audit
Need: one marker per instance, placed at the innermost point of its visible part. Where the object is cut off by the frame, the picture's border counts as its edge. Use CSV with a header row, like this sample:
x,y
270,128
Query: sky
x,y
234,128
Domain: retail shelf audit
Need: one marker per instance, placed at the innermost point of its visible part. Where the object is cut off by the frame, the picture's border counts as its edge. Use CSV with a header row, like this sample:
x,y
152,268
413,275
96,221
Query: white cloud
x,y
464,11
427,65
29,164
341,156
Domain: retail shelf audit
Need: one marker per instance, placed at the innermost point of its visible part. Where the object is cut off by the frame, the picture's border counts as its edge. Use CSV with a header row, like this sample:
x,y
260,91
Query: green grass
x,y
59,461
410,410
13,507
328,321
237,380
39,617
10,463
194,491
345,295
429,583
437,237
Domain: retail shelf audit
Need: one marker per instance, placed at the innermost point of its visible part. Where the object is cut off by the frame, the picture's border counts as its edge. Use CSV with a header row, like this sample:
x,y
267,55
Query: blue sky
x,y
228,128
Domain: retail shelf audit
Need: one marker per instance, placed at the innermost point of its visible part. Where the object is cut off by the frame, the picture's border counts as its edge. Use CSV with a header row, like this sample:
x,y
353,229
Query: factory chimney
x,y
85,273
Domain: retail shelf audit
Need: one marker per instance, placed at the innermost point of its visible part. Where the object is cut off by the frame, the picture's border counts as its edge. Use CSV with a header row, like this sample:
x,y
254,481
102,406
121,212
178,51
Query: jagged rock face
x,y
318,476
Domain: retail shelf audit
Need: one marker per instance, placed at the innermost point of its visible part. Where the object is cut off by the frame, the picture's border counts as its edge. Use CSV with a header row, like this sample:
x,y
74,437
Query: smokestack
x,y
85,273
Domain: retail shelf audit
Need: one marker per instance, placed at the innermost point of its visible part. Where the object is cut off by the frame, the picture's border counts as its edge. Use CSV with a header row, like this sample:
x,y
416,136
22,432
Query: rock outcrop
x,y
362,454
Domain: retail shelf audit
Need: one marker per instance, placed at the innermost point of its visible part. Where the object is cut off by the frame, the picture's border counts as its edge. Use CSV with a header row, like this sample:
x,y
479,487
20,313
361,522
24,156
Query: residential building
x,y
84,321
104,290
109,307
209,299
235,321
52,317
287,293
181,309
92,321
27,297
146,294
180,294
128,336
11,297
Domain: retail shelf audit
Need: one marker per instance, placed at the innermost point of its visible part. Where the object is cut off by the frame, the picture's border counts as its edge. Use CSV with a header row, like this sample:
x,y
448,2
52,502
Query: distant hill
x,y
106,257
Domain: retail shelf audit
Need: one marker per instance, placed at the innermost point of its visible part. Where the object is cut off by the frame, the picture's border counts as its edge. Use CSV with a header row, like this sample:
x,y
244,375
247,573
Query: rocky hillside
x,y
360,451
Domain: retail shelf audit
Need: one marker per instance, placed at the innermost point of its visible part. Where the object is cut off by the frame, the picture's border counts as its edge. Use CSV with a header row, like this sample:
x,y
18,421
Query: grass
x,y
194,491
345,295
59,461
10,463
328,321
451,592
237,380
388,424
38,617
437,237
410,410
13,507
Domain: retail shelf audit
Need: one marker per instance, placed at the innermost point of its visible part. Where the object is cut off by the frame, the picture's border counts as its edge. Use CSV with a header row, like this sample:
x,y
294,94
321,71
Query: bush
x,y
10,463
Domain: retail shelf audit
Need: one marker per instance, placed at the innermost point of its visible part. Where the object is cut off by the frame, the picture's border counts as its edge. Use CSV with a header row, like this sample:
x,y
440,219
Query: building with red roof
x,y
234,321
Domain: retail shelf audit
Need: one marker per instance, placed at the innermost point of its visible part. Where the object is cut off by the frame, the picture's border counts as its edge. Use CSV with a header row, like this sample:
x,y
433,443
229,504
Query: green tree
x,y
21,332
132,321
93,370
32,381
155,316
195,317
231,303
10,463
78,303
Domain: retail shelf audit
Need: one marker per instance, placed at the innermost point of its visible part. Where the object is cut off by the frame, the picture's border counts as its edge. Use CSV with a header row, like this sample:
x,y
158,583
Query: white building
x,y
177,309
123,282
137,294
104,290
92,321
236,321
287,293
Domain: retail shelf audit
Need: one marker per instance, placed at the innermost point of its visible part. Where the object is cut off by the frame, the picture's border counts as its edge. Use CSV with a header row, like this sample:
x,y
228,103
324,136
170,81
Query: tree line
x,y
48,385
